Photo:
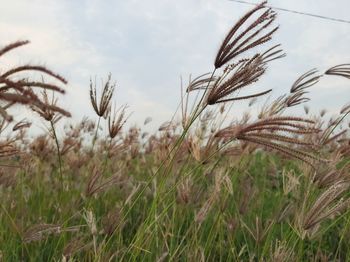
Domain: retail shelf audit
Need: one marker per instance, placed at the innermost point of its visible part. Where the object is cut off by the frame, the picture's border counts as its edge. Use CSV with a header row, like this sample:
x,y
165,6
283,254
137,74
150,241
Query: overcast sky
x,y
148,44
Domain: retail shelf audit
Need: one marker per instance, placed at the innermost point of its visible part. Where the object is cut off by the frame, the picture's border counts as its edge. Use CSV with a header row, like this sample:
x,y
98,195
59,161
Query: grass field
x,y
203,187
252,207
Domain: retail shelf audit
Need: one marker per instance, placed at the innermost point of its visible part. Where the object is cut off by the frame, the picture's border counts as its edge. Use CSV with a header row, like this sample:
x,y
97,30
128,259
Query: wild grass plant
x,y
204,187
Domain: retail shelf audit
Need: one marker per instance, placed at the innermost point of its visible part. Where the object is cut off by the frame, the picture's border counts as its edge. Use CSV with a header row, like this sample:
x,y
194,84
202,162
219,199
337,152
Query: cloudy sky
x,y
147,45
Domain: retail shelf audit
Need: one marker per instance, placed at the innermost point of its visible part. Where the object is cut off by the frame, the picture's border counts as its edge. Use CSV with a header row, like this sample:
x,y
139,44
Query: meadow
x,y
208,185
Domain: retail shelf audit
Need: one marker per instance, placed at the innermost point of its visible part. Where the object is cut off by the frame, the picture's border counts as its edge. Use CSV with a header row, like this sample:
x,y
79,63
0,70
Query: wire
x,y
296,12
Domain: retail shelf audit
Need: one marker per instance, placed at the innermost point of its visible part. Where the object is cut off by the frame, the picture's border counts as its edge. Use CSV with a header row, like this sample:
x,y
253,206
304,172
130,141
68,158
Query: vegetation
x,y
204,187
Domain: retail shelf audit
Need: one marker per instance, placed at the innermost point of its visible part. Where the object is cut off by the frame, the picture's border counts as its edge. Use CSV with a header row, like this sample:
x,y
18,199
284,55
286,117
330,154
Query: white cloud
x,y
148,44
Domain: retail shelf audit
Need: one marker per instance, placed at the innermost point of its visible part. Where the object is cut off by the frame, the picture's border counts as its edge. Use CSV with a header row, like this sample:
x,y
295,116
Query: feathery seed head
x,y
275,133
253,34
116,121
326,205
48,109
235,77
102,106
19,90
340,70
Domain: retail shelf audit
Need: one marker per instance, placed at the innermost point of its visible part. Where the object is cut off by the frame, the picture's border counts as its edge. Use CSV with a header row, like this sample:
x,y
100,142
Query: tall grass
x,y
204,187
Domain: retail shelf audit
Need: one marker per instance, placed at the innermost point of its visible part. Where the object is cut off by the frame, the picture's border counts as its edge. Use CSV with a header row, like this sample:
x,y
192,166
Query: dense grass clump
x,y
203,187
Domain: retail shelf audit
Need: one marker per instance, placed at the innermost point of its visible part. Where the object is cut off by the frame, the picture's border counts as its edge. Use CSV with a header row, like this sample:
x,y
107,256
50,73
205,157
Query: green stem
x,y
96,132
199,109
334,127
58,151
14,227
174,149
108,149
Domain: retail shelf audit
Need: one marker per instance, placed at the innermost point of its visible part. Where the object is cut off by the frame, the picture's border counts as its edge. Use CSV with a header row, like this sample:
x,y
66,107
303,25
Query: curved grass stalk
x,y
325,138
96,133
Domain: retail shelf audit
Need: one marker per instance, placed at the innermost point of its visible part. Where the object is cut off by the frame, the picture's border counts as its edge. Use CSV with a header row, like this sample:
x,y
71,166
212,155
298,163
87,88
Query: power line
x,y
296,12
